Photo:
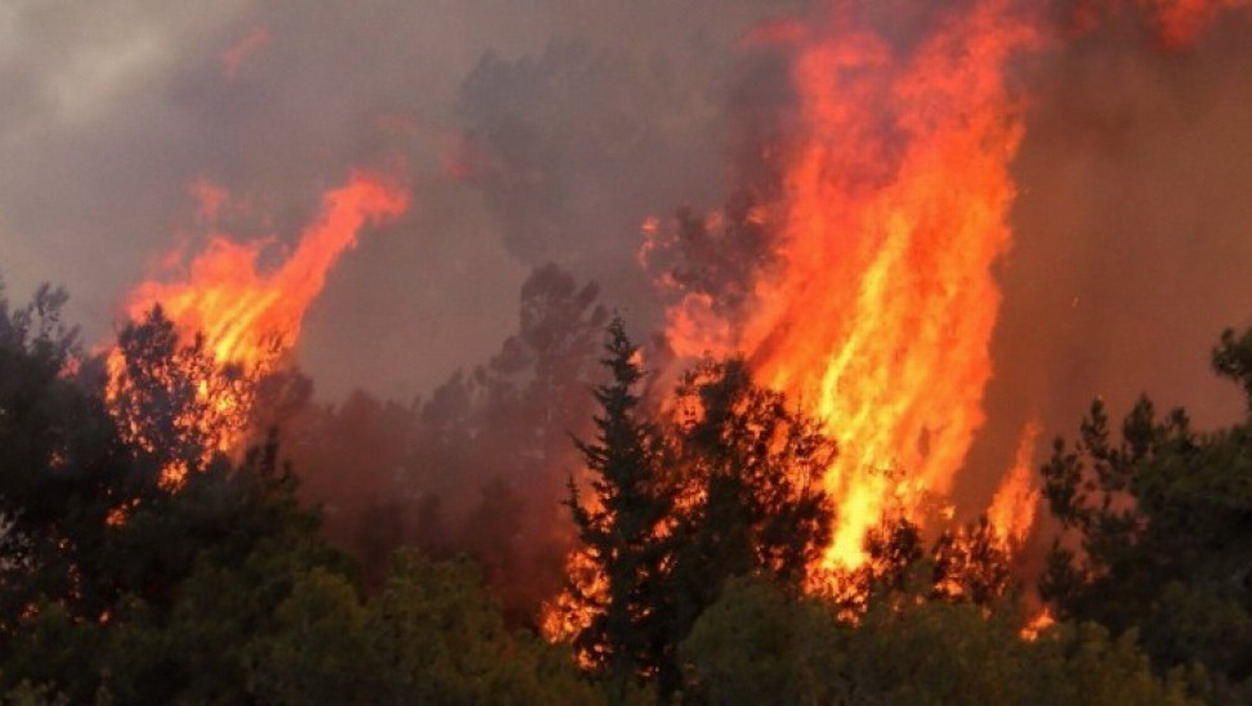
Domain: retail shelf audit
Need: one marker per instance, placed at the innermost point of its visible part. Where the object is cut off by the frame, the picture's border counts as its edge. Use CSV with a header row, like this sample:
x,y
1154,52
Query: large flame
x,y
895,209
248,314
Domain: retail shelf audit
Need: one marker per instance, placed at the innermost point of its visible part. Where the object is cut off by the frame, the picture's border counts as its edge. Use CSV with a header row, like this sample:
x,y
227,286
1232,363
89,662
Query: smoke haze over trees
x,y
942,226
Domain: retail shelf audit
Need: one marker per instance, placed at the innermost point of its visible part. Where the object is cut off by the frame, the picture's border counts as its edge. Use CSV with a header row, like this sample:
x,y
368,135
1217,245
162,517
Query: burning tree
x,y
172,400
623,531
183,380
727,485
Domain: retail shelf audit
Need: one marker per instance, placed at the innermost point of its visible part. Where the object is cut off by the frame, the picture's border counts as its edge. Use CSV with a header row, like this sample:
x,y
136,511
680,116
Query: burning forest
x,y
701,353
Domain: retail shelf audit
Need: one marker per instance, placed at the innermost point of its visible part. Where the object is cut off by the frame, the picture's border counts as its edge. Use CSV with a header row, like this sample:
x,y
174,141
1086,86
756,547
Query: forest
x,y
438,553
814,352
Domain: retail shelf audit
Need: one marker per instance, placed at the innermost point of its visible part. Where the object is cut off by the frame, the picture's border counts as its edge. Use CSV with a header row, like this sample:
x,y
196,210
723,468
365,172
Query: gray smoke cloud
x,y
594,114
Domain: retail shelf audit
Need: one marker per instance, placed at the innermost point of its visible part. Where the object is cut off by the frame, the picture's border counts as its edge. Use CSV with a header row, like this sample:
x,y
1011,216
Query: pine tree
x,y
619,529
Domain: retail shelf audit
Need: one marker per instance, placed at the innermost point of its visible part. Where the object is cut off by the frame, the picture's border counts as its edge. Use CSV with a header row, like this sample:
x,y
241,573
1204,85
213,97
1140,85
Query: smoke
x,y
1133,231
549,132
479,466
595,115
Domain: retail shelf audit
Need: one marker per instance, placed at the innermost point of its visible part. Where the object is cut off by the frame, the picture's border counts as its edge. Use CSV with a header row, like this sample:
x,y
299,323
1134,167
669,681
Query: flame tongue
x,y
1012,510
896,208
248,316
896,198
239,308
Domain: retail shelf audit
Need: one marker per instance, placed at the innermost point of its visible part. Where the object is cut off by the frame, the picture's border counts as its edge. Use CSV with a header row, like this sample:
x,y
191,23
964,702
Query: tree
x,y
437,637
757,644
1159,532
493,528
96,555
727,486
172,400
748,474
753,467
220,589
314,653
424,474
1233,359
622,529
63,470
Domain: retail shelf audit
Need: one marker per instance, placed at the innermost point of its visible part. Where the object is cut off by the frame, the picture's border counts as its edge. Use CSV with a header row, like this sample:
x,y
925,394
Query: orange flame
x,y
237,306
564,617
249,315
1037,625
895,208
1012,511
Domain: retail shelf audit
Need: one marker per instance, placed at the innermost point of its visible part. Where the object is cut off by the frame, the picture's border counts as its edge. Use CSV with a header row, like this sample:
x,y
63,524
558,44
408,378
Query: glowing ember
x,y
248,315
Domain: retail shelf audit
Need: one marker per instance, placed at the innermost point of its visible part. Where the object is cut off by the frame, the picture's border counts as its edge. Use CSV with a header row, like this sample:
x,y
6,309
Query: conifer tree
x,y
619,527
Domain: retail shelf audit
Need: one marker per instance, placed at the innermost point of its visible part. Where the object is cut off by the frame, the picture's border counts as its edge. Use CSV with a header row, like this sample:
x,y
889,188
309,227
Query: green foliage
x,y
759,645
1160,533
728,488
437,637
622,529
115,588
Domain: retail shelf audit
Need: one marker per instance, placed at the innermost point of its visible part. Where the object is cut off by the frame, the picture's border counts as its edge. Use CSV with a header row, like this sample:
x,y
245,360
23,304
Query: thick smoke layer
x,y
592,115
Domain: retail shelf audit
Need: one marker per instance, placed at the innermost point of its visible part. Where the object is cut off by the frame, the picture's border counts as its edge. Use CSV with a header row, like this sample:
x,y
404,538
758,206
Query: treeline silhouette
x,y
478,467
379,553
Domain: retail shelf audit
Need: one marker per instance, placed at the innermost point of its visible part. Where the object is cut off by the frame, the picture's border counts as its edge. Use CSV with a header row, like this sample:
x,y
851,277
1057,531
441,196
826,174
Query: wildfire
x,y
563,617
1037,625
1012,511
246,314
896,196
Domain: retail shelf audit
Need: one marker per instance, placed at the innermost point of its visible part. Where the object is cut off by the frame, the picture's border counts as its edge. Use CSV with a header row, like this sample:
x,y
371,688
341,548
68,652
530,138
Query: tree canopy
x,y
1158,540
697,517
